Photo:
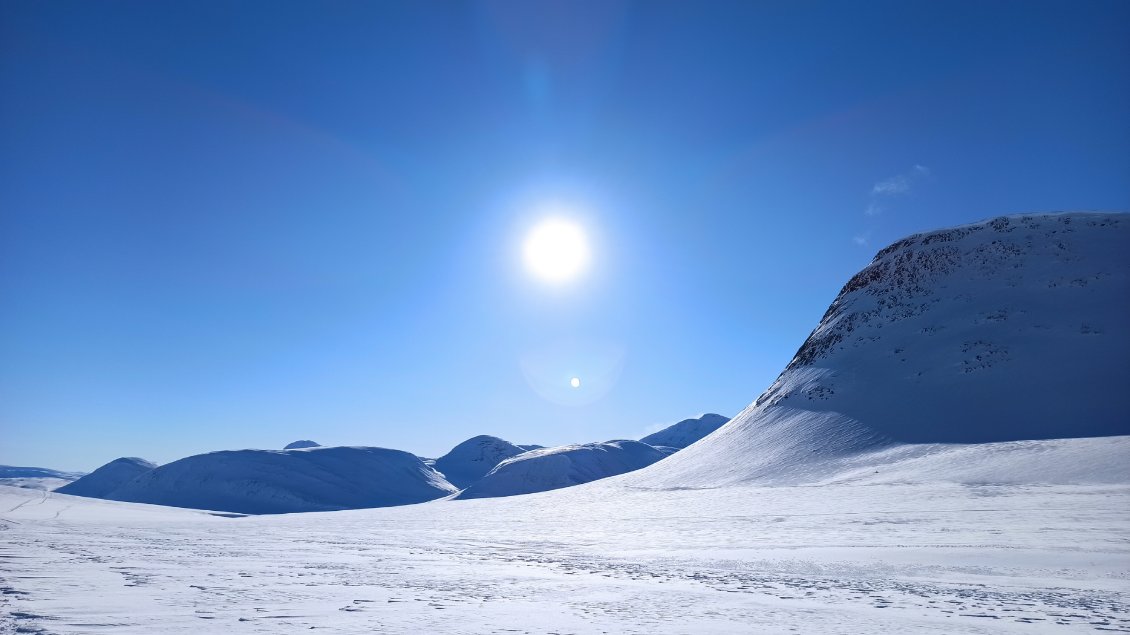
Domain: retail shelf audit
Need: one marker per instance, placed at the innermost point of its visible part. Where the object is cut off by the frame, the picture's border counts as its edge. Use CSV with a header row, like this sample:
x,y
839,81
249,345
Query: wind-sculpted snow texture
x,y
908,557
101,482
563,466
1009,329
686,432
281,481
474,458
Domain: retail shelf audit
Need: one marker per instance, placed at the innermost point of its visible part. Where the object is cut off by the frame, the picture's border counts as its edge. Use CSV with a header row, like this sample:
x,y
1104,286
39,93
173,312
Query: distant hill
x,y
109,477
12,471
564,466
35,477
305,443
280,481
474,458
686,432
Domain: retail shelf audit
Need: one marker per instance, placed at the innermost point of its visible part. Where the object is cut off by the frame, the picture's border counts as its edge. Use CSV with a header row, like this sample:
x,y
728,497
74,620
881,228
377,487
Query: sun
x,y
575,382
556,250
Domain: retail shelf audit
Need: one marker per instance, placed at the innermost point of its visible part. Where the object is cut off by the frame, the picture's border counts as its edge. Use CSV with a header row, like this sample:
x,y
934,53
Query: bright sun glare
x,y
575,382
556,250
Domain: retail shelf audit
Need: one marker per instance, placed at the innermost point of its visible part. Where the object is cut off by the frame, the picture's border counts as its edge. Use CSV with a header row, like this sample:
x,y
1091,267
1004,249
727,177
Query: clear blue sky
x,y
236,224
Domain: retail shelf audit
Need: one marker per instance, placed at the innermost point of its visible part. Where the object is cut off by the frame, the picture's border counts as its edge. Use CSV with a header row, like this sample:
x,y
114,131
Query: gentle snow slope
x,y
1009,329
109,477
686,432
471,460
553,468
272,481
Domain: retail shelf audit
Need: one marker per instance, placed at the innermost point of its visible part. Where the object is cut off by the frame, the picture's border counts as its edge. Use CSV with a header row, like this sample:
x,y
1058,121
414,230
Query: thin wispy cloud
x,y
898,184
895,186
883,193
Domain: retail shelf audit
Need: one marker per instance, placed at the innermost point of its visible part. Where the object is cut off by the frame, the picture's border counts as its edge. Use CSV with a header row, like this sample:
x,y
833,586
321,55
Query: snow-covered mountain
x,y
109,477
1004,330
304,443
281,481
686,432
472,459
35,477
554,468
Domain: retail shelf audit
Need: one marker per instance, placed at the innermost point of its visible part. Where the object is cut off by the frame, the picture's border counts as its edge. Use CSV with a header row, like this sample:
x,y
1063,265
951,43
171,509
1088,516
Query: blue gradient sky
x,y
243,223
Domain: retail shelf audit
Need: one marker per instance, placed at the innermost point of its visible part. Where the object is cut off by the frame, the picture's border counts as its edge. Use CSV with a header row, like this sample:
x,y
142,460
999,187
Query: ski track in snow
x,y
598,558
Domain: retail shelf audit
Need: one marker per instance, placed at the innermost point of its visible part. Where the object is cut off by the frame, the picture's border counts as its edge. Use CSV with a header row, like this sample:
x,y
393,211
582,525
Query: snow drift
x,y
281,481
109,477
564,466
474,458
1006,330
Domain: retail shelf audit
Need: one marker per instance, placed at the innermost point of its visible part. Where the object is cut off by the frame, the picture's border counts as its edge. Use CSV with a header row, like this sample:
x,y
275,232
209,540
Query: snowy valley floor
x,y
598,558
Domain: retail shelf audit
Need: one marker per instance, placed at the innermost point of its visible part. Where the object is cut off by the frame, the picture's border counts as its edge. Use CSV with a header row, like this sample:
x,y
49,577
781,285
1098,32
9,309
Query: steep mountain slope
x,y
273,481
304,443
471,460
554,468
1004,330
686,432
107,478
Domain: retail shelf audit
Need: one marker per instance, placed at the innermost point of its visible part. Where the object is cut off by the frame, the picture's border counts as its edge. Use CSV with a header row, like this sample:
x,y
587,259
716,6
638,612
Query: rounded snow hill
x,y
474,458
564,466
279,481
304,443
1005,330
686,432
107,478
